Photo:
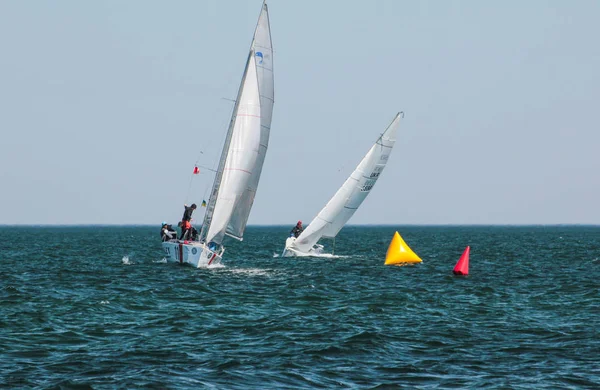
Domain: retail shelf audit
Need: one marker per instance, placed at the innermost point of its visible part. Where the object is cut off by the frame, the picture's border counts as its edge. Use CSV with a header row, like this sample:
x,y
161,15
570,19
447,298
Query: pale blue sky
x,y
105,107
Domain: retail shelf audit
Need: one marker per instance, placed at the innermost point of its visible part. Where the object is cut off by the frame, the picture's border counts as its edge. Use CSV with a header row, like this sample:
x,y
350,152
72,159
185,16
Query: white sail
x,y
241,160
245,145
353,192
242,156
263,56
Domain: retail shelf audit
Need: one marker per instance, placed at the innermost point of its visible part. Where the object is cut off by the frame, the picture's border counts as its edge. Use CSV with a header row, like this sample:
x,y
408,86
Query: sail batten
x,y
342,206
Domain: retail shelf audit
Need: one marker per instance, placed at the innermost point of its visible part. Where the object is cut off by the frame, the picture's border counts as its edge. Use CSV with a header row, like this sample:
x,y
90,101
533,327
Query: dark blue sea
x,y
99,308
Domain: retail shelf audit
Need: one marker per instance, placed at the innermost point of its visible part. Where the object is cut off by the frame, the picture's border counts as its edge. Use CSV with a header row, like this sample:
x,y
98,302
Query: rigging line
x,y
208,183
207,147
187,194
211,140
205,167
189,190
198,159
224,136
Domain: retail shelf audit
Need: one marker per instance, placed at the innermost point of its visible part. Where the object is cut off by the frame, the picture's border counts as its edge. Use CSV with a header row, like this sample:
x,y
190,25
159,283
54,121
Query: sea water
x,y
99,307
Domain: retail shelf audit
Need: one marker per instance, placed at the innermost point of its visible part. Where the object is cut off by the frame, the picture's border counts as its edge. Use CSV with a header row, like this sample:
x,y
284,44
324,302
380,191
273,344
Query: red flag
x,y
196,170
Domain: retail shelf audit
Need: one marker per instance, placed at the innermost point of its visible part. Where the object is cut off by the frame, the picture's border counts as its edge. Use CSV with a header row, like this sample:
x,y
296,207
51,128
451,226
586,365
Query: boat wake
x,y
316,255
328,256
251,271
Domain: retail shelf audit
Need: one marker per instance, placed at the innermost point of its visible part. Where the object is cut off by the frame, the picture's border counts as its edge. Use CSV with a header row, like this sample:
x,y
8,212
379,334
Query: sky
x,y
106,107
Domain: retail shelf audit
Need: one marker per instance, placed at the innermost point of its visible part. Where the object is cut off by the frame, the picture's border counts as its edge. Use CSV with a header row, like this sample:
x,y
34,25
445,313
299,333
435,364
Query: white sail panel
x,y
242,155
263,56
342,206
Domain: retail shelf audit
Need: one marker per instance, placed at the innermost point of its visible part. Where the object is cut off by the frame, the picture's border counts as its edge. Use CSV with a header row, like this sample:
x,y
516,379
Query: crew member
x,y
186,224
297,230
167,232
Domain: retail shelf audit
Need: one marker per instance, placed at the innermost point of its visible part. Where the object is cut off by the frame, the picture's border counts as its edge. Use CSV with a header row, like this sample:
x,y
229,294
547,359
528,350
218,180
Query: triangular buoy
x,y
399,253
462,267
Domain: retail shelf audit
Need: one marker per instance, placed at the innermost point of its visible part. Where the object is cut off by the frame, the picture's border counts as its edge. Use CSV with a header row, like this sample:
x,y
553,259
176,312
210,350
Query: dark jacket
x,y
296,231
187,214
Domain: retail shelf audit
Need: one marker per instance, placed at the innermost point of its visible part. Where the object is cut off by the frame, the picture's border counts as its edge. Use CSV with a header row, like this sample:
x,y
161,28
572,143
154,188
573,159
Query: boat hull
x,y
291,251
193,253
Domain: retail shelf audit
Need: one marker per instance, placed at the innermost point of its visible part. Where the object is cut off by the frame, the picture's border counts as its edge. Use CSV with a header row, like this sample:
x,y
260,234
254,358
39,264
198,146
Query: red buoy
x,y
462,267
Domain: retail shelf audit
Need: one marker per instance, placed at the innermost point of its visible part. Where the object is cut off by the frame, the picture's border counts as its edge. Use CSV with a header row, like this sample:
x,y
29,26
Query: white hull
x,y
348,198
191,252
241,160
290,249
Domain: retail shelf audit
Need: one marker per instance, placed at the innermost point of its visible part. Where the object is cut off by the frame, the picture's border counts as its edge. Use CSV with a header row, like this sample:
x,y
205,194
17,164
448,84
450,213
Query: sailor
x,y
187,214
193,233
297,230
186,224
166,232
172,231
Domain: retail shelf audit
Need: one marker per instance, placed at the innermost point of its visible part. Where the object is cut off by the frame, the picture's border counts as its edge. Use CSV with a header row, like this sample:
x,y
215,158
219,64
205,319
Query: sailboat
x,y
240,165
342,206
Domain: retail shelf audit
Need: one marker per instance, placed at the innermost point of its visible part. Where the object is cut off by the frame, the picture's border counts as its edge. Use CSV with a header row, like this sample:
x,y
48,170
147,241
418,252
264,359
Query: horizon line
x,y
284,225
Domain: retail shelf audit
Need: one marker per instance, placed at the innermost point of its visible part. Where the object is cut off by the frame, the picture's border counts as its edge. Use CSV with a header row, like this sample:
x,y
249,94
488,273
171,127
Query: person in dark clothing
x,y
186,224
193,234
163,230
167,232
187,214
297,230
172,231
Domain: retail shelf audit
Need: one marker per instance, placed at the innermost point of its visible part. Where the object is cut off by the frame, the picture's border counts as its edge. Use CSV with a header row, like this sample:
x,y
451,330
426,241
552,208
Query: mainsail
x,y
263,56
353,192
246,143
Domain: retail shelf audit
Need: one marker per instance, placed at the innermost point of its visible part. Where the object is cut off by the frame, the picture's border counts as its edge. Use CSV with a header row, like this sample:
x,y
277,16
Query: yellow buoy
x,y
399,253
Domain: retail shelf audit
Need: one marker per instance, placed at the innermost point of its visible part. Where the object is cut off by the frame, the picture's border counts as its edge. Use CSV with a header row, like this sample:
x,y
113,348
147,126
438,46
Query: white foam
x,y
321,255
251,271
125,260
332,256
313,254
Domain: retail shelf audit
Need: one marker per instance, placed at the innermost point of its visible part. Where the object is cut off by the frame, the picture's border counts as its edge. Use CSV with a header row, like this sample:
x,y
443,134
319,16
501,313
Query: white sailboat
x,y
240,166
347,199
